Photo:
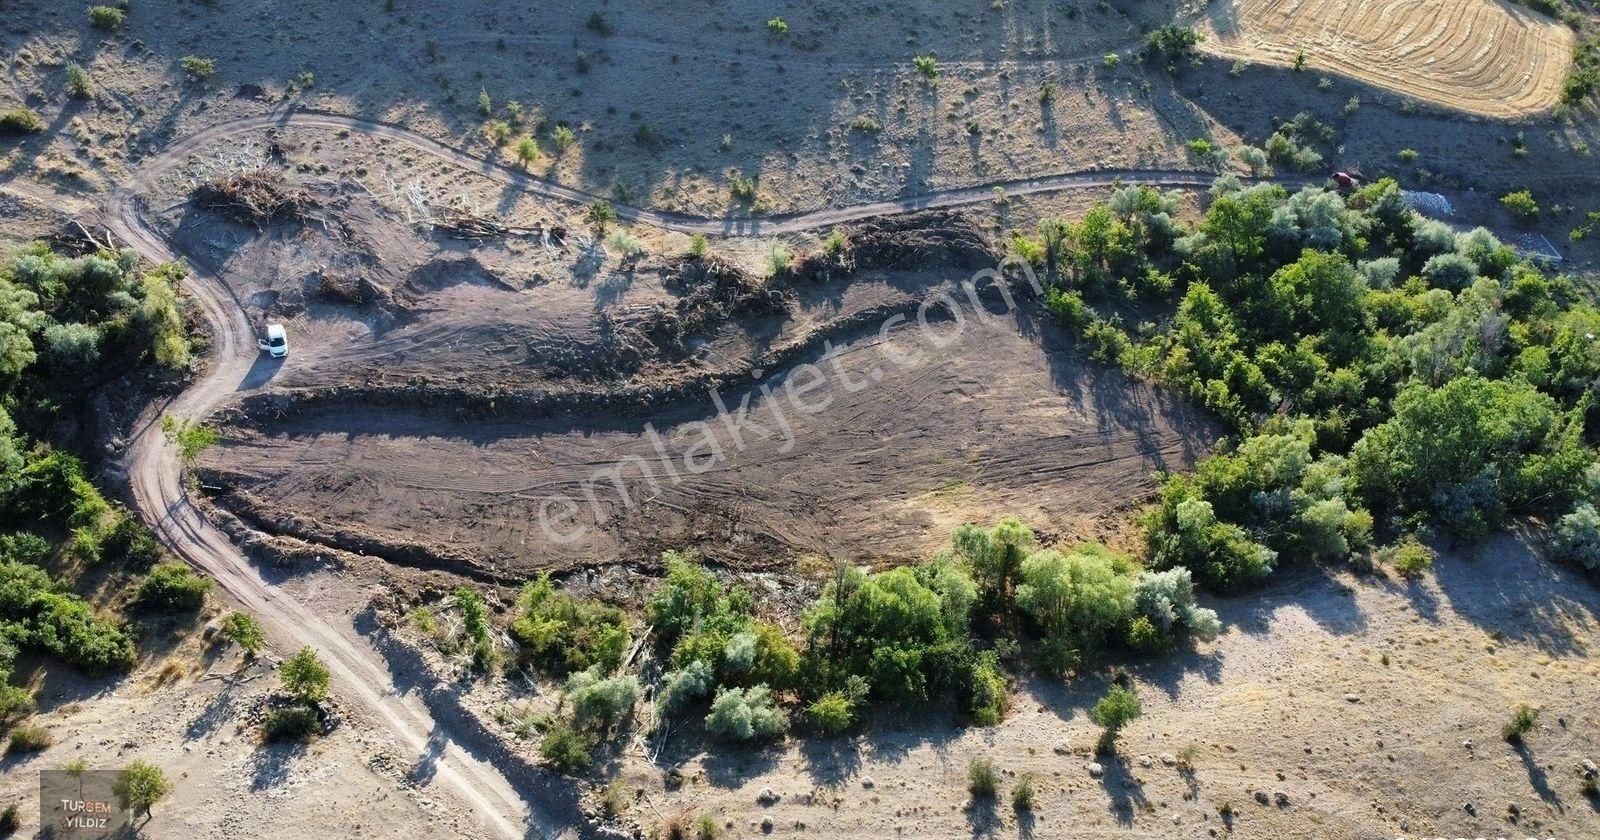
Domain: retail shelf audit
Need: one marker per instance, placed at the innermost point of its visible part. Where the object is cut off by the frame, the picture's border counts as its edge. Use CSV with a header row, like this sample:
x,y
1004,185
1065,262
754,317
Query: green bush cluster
x,y
559,634
173,587
1365,359
37,614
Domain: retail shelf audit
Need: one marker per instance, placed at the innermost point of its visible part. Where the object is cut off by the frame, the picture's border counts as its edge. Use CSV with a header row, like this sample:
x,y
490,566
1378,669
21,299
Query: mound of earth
x,y
1485,57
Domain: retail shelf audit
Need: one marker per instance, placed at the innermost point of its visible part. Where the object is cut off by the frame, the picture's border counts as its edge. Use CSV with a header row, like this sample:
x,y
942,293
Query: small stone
x,y
1590,771
1168,759
1467,744
1470,808
1095,770
1061,749
1281,798
766,825
867,782
1262,797
767,797
1352,698
1144,761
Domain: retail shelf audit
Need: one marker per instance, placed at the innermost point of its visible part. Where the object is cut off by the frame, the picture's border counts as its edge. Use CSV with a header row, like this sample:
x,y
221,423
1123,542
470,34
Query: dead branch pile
x,y
254,196
474,227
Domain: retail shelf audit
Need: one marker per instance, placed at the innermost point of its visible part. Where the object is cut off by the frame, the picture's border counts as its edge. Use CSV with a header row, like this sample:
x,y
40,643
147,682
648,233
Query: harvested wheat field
x,y
1480,56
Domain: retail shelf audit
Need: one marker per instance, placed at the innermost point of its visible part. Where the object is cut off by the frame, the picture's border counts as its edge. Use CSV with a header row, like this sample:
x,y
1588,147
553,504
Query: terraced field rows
x,y
1481,56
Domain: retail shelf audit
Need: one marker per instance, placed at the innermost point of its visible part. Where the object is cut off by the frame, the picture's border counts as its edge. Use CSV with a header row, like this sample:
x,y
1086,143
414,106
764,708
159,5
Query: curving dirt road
x,y
359,672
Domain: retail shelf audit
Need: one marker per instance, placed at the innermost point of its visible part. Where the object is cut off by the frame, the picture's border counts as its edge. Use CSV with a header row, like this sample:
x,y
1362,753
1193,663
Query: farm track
x,y
360,673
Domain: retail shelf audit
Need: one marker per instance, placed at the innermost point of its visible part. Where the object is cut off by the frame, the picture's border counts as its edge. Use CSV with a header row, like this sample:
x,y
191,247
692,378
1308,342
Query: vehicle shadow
x,y
261,372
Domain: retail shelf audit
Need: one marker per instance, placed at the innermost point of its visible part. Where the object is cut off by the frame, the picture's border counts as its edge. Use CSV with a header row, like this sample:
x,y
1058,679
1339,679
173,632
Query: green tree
x,y
139,786
242,629
305,676
1083,595
1112,712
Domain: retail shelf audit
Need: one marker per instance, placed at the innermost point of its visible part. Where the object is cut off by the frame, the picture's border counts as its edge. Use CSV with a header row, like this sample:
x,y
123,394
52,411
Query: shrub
x,y
107,17
625,244
29,738
485,104
1523,719
566,749
740,714
563,137
1577,537
20,121
1407,155
1022,795
832,713
1166,600
527,150
600,214
1410,557
304,676
1172,41
559,634
498,131
291,723
198,68
15,701
983,781
190,437
681,687
243,630
1083,595
1115,710
699,246
10,820
174,587
598,24
79,85
1521,205
988,689
927,66
777,26
779,260
597,702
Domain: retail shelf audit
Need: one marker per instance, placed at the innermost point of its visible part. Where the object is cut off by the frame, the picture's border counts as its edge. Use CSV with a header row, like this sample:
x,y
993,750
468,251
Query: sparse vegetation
x,y
107,17
1521,205
983,781
197,68
778,27
28,738
1523,719
190,437
243,630
527,150
79,85
927,66
173,587
20,121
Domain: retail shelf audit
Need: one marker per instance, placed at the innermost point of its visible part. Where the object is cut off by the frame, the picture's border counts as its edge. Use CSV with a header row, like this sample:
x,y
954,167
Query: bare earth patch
x,y
1481,56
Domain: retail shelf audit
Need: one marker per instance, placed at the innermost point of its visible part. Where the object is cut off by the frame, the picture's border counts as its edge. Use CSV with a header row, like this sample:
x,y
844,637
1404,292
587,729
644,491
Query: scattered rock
x,y
1590,771
767,797
1467,744
1144,761
867,782
1169,759
1352,698
1262,797
1095,770
1470,808
766,825
1280,798
1061,749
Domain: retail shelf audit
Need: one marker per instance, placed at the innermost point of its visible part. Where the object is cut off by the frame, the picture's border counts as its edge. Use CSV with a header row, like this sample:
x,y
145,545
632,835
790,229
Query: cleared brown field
x,y
1481,56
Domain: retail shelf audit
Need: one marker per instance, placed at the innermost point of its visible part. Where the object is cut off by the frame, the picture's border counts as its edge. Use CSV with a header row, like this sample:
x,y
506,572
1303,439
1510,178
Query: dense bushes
x,y
36,614
1365,359
173,587
559,634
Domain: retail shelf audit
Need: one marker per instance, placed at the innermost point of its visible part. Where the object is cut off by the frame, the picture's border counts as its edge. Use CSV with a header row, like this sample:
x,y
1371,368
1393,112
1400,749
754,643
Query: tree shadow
x,y
273,762
1538,778
1127,794
427,764
983,816
831,761
216,712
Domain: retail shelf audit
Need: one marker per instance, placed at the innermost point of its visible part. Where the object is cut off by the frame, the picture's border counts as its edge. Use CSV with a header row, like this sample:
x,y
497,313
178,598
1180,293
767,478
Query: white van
x,y
276,343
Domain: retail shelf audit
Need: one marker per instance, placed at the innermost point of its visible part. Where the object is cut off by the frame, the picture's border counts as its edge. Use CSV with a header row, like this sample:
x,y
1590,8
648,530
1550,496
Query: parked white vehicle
x,y
276,343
